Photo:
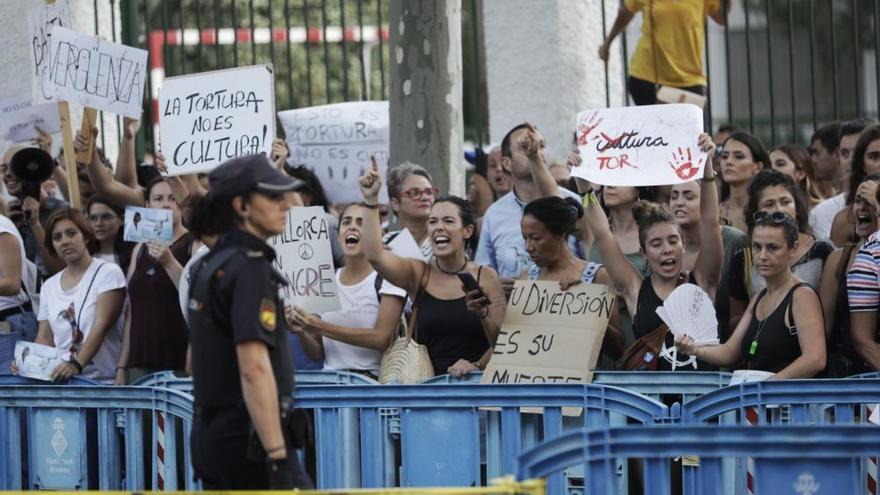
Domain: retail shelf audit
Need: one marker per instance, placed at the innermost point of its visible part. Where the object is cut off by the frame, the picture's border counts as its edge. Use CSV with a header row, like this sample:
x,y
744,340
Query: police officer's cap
x,y
249,174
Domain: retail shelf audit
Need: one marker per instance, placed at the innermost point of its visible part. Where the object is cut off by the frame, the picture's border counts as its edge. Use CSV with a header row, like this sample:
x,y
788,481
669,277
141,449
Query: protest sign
x,y
96,73
640,146
550,335
210,117
336,142
41,21
19,119
37,360
148,224
304,257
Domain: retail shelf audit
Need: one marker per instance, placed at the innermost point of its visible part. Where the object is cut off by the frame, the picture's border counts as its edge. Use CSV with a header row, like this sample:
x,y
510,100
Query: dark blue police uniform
x,y
234,298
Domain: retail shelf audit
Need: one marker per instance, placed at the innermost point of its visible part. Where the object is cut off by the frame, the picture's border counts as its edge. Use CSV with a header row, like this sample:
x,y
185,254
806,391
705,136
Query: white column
x,y
542,66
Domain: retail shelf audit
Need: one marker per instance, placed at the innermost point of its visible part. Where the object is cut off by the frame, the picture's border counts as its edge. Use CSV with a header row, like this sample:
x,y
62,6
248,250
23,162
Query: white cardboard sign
x,y
19,119
304,257
336,142
96,73
640,146
41,21
211,117
550,335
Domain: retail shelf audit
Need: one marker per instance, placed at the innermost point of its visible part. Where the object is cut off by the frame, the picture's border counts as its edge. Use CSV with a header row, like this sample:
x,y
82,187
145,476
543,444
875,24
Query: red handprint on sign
x,y
682,164
586,127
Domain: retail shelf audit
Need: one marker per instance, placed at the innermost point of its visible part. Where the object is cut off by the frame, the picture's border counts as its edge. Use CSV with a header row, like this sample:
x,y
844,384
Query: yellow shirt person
x,y
670,50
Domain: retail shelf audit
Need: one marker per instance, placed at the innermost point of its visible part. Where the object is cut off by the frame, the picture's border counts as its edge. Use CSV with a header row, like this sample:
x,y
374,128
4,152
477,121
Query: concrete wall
x,y
15,57
542,66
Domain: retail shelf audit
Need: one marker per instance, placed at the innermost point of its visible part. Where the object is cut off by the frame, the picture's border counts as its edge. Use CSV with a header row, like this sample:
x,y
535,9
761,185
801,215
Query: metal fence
x,y
323,51
778,68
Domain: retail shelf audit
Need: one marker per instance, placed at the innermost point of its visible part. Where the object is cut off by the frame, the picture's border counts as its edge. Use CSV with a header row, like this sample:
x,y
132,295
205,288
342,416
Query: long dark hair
x,y
558,215
756,148
121,249
770,178
858,173
467,216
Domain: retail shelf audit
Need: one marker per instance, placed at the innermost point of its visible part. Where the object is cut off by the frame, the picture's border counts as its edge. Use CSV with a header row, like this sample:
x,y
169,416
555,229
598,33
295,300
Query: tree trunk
x,y
426,89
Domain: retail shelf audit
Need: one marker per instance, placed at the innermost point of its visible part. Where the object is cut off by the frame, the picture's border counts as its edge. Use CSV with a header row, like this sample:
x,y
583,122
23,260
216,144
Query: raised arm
x,y
624,16
532,144
711,257
104,183
126,161
402,272
719,15
623,274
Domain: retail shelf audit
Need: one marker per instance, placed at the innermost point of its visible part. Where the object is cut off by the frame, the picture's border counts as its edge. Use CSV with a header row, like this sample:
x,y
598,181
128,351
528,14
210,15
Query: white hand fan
x,y
689,311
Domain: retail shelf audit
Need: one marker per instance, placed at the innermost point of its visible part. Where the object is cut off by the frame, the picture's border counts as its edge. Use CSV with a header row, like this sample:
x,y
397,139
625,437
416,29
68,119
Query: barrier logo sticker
x,y
806,485
58,443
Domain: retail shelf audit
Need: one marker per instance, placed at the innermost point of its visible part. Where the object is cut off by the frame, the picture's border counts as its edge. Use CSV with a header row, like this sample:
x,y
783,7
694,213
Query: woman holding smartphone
x,y
458,328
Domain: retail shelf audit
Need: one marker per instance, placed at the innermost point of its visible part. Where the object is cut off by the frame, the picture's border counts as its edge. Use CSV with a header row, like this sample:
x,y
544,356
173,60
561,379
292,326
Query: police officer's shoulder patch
x,y
268,317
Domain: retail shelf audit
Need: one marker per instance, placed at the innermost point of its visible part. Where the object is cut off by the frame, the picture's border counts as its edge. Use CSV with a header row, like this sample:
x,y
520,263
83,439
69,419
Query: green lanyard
x,y
753,349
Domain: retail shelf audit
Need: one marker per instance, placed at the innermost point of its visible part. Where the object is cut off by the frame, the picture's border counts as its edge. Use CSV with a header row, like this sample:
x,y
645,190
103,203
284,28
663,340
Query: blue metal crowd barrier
x,y
438,426
72,436
800,401
168,379
788,459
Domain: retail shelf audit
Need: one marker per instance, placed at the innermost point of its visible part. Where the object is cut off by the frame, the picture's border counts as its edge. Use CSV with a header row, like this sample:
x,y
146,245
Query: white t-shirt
x,y
360,310
7,227
186,280
822,215
56,302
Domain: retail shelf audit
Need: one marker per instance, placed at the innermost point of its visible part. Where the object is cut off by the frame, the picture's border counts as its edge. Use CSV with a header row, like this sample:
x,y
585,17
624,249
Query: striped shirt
x,y
863,278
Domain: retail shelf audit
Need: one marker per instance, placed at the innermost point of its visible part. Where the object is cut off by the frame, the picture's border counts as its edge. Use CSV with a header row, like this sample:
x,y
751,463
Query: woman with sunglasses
x,y
782,331
81,305
772,191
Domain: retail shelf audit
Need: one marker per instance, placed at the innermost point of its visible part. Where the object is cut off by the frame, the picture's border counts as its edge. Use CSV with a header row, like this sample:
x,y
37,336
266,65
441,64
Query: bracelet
x,y
371,206
478,365
590,199
276,449
75,363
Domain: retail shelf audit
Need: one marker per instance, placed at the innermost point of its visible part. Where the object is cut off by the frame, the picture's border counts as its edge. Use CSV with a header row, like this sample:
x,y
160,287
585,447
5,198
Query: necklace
x,y
453,272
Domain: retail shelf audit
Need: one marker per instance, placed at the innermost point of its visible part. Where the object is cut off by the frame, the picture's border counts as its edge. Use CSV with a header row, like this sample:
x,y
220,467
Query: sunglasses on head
x,y
762,216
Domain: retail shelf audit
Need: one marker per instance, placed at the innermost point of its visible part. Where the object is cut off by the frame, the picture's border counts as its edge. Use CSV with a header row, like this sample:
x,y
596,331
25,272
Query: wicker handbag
x,y
406,361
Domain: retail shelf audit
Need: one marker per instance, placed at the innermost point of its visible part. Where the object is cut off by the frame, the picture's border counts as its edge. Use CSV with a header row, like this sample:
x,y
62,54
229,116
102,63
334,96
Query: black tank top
x,y
449,331
778,344
646,319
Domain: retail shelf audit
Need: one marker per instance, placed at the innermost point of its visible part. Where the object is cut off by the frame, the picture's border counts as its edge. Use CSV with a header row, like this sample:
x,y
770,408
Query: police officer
x,y
242,436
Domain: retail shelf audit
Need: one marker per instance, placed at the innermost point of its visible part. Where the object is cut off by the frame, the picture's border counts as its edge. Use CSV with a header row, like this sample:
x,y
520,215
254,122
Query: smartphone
x,y
471,284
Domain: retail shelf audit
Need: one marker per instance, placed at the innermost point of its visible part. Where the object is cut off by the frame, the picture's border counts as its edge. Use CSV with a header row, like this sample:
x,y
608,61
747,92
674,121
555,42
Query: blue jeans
x,y
24,327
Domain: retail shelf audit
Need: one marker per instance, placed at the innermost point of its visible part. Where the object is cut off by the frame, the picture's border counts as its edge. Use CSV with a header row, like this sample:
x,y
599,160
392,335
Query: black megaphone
x,y
32,166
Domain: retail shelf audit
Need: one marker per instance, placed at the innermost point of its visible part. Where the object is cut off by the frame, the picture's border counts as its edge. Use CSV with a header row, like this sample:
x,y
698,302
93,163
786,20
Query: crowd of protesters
x,y
783,241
